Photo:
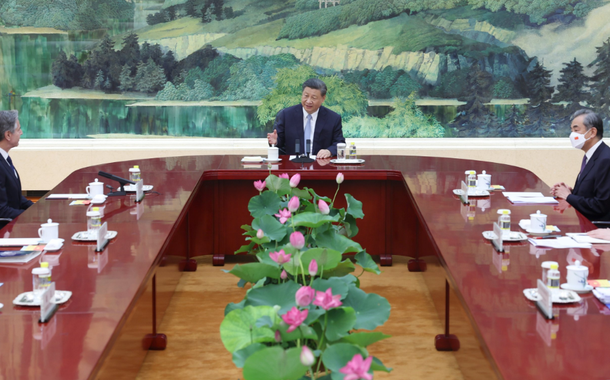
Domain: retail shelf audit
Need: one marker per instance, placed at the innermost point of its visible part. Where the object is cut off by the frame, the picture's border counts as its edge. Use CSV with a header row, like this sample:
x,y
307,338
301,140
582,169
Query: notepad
x,y
584,238
599,283
528,197
68,196
560,242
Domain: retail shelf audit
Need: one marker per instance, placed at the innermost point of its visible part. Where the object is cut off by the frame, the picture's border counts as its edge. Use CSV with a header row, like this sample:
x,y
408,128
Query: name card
x,y
497,241
139,191
101,237
47,303
464,192
545,300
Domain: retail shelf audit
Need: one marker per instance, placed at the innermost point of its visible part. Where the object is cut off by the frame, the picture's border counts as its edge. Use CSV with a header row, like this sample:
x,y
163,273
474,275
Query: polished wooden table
x,y
197,206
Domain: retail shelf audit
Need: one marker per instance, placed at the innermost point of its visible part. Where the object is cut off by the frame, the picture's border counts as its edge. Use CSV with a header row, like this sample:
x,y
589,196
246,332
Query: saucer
x,y
268,160
472,193
514,236
587,288
27,298
538,233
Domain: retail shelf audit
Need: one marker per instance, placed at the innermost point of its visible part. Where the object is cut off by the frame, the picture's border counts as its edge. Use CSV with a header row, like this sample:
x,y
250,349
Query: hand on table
x,y
561,190
561,206
323,161
600,233
324,153
272,137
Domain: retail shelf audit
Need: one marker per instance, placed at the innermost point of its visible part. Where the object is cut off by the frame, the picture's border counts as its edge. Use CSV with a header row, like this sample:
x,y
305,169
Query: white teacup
x,y
537,222
273,154
95,188
483,181
48,231
577,276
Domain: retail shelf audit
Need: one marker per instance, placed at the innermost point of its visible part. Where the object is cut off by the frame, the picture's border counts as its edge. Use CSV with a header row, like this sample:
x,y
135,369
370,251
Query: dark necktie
x,y
584,163
10,162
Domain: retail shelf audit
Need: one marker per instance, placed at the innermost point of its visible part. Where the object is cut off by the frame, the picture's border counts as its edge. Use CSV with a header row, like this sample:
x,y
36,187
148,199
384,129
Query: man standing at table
x,y
308,121
591,193
12,202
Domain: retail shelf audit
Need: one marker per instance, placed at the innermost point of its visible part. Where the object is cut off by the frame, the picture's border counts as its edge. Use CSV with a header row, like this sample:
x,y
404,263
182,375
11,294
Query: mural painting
x,y
224,68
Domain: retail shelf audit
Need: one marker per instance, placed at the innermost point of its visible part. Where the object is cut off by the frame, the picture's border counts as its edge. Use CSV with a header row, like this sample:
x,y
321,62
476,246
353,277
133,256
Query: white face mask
x,y
578,140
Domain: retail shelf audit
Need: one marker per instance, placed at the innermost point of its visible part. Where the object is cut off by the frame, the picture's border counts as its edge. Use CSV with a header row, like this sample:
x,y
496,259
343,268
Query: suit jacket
x,y
289,126
591,193
12,202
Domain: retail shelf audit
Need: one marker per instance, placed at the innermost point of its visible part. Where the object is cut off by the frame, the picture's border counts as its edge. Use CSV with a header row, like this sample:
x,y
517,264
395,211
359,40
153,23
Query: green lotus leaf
x,y
273,363
340,321
234,306
301,332
282,295
377,365
366,262
238,330
354,207
278,185
337,285
267,203
245,248
343,268
304,194
372,310
336,356
350,226
240,356
270,226
364,339
312,219
253,272
326,259
332,240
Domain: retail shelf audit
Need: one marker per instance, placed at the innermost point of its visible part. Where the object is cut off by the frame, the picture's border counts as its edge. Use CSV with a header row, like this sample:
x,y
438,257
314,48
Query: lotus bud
x,y
313,267
297,240
323,206
307,357
340,178
293,204
294,181
260,233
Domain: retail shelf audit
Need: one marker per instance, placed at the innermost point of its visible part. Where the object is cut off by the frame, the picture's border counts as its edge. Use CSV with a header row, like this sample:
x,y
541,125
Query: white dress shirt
x,y
5,155
592,150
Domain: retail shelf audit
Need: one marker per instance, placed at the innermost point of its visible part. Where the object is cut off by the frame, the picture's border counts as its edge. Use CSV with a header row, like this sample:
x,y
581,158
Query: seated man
x,y
591,193
12,202
308,121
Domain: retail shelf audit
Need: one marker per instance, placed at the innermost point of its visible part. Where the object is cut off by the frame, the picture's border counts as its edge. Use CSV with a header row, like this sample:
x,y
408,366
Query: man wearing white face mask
x,y
591,193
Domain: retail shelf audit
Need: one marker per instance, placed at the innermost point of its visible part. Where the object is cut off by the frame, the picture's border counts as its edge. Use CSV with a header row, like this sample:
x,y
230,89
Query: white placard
x,y
464,192
47,303
139,191
101,237
545,300
497,242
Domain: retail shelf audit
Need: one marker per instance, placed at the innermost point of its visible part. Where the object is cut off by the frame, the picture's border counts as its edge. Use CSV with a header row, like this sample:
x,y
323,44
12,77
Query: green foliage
x,y
66,72
385,84
600,87
66,14
505,88
571,84
253,272
452,85
150,77
537,10
238,329
275,363
307,4
406,120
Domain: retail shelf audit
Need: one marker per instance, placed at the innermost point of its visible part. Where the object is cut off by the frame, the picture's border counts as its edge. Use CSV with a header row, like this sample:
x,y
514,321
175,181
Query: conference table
x,y
197,206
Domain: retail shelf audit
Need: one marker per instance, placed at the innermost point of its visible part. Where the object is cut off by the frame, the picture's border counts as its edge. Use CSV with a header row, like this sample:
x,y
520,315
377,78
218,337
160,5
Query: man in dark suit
x,y
591,193
12,202
308,121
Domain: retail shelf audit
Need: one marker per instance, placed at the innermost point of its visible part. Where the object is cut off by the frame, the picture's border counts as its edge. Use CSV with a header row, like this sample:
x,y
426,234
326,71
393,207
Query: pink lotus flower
x,y
260,185
313,267
284,175
323,206
326,300
357,368
294,181
297,240
260,233
294,318
278,336
280,257
284,215
293,204
284,275
305,295
307,358
340,178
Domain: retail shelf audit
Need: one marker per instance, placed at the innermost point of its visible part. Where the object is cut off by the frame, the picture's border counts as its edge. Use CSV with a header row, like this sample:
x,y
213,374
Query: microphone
x,y
297,147
122,182
308,147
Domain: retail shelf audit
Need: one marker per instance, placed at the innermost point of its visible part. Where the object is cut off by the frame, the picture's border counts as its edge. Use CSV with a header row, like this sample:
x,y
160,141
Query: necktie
x,y
307,132
584,163
10,162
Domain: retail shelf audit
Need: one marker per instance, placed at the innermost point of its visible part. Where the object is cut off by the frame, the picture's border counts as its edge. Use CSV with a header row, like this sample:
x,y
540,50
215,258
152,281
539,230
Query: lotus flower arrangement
x,y
304,315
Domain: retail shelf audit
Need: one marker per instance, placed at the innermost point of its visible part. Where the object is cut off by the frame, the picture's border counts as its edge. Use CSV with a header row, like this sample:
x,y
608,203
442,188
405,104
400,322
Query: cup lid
x,y
577,266
537,213
96,183
49,223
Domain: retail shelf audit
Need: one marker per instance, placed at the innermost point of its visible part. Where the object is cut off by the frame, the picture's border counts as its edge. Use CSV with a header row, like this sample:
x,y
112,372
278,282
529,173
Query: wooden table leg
x,y
154,341
385,259
188,264
446,341
218,259
417,265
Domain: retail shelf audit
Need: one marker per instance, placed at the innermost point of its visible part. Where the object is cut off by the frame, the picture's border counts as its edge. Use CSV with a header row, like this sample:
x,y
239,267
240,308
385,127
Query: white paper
x,y
561,242
584,238
312,156
602,294
20,259
252,159
68,196
19,242
509,194
539,200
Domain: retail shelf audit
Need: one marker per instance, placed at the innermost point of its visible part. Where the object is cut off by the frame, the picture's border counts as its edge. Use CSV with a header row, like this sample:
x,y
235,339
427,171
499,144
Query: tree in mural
x,y
571,87
600,86
513,124
169,64
127,78
540,107
130,52
150,77
475,118
66,72
201,58
384,84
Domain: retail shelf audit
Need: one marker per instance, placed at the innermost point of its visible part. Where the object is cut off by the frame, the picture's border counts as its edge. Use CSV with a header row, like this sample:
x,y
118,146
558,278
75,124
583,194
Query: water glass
x,y
341,151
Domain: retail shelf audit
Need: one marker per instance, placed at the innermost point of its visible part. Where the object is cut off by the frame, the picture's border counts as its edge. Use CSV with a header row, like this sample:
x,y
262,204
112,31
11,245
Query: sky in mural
x,y
223,68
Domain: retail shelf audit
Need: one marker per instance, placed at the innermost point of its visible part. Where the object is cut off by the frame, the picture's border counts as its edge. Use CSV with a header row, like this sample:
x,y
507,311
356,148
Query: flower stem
x,y
333,202
320,347
302,270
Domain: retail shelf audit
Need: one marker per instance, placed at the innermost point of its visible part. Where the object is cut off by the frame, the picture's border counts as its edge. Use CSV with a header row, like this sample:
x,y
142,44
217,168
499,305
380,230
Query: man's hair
x,y
8,122
316,84
590,120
